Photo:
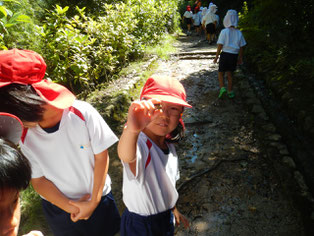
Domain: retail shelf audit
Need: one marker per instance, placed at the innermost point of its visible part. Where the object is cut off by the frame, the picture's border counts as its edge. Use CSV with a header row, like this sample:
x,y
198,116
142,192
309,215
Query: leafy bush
x,y
16,28
82,51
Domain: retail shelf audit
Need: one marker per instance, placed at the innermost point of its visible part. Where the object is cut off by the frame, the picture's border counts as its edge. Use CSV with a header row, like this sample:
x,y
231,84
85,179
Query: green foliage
x,y
66,48
18,28
164,48
82,51
32,215
278,42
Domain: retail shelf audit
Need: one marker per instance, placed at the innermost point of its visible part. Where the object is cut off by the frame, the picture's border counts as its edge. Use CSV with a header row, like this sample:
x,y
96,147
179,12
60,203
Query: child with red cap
x,y
150,162
66,142
15,173
188,16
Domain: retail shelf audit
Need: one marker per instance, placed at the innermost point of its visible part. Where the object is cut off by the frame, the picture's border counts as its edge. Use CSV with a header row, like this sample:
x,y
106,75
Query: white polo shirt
x,y
188,14
66,157
152,190
231,39
209,18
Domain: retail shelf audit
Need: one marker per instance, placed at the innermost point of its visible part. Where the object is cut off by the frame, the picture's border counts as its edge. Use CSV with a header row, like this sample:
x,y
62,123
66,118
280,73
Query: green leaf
x,y
14,1
23,18
3,11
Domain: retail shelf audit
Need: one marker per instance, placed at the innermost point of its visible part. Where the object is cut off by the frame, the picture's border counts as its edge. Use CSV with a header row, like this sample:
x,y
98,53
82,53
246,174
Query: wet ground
x,y
228,184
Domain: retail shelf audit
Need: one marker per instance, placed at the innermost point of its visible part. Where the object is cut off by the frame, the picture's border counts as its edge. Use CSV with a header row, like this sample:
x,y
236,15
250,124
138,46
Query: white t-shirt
x,y
197,18
209,18
231,39
217,20
188,14
153,189
66,156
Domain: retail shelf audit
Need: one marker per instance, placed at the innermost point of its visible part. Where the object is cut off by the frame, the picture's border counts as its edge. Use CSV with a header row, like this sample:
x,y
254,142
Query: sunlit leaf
x,y
3,11
23,18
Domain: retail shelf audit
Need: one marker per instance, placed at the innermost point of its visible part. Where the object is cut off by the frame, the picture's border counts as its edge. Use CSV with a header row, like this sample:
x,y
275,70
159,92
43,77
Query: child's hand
x,y
85,206
141,113
180,218
215,60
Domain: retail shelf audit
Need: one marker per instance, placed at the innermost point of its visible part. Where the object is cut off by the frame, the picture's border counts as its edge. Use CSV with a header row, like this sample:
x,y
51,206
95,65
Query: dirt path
x,y
238,192
237,177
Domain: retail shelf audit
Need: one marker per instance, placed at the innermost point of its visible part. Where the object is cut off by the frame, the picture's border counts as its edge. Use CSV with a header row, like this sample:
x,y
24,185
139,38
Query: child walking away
x,y
15,172
209,21
66,142
231,43
197,20
188,15
150,162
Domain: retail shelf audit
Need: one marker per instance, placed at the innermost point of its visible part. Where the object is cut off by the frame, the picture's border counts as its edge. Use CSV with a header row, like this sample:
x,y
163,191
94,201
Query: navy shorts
x,y
160,224
210,28
105,220
227,62
188,21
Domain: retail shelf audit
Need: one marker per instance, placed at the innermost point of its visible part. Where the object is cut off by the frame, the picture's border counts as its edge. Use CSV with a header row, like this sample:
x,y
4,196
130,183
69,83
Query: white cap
x,y
231,18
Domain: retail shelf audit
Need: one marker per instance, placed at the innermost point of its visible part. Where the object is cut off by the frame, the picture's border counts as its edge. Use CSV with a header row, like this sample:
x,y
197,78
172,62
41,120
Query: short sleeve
x,y
100,134
222,37
141,157
242,40
36,169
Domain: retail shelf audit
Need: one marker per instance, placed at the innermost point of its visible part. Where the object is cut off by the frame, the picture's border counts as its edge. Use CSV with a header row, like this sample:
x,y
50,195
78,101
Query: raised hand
x,y
141,113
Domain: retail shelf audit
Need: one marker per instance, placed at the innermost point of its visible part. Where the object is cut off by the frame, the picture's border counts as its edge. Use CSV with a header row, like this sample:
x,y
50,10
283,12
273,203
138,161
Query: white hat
x,y
231,18
213,8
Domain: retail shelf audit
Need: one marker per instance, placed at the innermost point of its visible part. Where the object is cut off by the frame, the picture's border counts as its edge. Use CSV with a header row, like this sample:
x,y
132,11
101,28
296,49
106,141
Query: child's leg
x,y
221,79
221,84
230,77
230,91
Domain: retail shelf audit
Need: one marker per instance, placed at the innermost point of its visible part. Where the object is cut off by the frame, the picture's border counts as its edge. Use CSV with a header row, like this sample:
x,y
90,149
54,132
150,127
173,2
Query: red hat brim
x,y
168,98
28,68
54,94
165,89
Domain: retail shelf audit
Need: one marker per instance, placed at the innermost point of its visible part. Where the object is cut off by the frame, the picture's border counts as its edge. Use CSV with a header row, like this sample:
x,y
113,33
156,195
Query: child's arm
x,y
140,115
51,193
86,208
240,56
219,47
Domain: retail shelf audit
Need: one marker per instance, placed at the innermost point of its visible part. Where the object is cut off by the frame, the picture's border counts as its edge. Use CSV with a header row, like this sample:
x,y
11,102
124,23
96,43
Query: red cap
x,y
28,67
11,127
165,89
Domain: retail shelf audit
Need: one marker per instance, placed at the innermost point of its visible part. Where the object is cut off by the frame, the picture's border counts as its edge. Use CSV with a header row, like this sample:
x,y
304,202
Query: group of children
x,y
63,148
202,19
230,43
63,151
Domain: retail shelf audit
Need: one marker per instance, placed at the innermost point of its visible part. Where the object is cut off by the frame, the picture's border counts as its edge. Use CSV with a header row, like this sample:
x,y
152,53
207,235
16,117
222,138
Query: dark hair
x,y
176,135
15,170
22,101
